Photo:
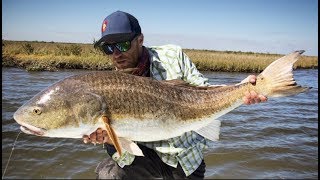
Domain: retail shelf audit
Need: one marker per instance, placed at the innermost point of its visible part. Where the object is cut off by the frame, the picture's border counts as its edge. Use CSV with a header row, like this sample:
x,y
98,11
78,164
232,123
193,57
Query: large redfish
x,y
133,108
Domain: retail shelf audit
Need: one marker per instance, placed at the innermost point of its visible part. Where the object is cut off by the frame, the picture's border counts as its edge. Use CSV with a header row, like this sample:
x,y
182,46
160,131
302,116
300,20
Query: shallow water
x,y
277,139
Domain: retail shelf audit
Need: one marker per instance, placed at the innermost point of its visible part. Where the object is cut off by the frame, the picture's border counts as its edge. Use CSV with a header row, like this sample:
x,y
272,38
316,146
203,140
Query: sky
x,y
266,26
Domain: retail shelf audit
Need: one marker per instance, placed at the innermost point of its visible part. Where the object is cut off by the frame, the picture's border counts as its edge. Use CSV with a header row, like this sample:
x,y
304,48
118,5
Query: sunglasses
x,y
121,46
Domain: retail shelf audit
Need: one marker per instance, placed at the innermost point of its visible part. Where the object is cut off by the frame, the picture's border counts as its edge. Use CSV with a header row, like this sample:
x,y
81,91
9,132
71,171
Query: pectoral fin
x,y
112,135
121,143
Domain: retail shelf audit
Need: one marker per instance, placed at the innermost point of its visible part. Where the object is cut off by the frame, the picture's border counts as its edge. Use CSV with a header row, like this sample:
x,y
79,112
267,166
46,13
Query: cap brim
x,y
114,38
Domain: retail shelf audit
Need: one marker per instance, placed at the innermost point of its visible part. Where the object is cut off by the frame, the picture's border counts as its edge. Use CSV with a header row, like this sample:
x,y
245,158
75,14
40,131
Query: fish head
x,y
48,110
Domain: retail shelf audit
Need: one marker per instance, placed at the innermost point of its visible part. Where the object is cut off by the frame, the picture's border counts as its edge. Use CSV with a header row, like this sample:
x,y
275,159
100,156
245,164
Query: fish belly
x,y
148,130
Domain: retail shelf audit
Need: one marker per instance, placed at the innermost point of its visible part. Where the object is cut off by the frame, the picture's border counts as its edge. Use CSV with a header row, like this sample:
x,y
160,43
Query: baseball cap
x,y
118,27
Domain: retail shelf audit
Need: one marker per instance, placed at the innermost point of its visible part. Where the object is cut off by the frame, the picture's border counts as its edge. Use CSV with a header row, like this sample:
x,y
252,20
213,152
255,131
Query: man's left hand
x,y
252,97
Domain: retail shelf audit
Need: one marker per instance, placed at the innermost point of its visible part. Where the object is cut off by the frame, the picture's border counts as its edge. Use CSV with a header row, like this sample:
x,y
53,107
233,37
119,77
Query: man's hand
x,y
98,137
252,97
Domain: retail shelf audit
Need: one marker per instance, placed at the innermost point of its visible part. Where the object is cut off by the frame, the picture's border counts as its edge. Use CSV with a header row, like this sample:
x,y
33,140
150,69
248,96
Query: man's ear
x,y
140,39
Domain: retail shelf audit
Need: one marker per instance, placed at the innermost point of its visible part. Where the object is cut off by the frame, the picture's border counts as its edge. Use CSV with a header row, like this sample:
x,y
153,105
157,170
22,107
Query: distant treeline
x,y
52,56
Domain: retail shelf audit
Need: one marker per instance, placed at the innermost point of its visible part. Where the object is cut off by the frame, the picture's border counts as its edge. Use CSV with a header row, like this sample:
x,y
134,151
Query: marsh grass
x,y
52,56
230,61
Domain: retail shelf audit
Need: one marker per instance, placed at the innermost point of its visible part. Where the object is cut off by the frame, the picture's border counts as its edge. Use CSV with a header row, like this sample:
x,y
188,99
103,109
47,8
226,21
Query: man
x,y
182,157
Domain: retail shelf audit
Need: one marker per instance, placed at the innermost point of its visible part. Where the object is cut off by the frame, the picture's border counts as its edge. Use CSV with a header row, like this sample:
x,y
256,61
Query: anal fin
x,y
210,131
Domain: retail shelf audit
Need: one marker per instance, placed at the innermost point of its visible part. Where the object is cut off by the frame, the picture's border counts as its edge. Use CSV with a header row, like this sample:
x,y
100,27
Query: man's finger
x,y
247,94
245,100
263,98
257,100
252,79
86,139
105,136
100,137
251,101
253,95
93,137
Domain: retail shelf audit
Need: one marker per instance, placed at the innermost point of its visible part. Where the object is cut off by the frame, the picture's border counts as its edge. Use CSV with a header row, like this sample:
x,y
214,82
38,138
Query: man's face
x,y
130,58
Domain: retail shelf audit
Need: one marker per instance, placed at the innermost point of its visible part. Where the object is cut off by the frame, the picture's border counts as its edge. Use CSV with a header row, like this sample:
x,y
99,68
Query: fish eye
x,y
37,111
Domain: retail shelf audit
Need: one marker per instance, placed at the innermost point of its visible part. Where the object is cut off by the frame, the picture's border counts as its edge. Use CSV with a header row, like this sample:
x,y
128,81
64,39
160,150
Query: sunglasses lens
x,y
108,49
123,46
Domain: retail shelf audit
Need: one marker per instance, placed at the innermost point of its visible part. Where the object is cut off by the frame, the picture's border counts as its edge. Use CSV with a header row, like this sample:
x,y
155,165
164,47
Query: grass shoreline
x,y
52,56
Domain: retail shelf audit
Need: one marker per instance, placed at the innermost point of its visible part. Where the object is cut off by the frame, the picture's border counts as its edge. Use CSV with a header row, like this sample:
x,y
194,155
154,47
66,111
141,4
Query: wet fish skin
x,y
144,109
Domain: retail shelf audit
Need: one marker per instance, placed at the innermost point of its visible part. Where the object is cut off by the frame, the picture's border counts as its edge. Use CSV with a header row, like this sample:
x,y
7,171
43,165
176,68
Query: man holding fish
x,y
175,158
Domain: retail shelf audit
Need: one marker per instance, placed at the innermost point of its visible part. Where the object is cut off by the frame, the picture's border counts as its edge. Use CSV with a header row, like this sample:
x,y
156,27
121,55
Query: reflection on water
x,y
277,139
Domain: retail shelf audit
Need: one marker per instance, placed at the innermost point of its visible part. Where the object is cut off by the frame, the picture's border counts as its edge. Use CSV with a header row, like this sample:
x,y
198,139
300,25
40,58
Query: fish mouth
x,y
29,129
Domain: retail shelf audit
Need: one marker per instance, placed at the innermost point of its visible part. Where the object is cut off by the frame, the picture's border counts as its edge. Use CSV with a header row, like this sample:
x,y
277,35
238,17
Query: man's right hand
x,y
97,137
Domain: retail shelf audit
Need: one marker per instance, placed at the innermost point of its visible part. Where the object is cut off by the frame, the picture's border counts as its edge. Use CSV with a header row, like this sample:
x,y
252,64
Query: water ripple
x,y
273,140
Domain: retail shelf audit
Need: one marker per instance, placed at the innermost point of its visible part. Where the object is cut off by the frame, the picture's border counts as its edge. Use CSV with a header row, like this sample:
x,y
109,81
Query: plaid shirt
x,y
169,62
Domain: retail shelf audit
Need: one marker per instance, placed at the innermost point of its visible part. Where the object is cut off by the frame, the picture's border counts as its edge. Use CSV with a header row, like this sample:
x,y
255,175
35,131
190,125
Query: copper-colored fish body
x,y
143,109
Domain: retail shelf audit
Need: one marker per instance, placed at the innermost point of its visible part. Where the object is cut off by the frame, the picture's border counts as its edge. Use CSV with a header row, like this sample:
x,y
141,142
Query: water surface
x,y
277,139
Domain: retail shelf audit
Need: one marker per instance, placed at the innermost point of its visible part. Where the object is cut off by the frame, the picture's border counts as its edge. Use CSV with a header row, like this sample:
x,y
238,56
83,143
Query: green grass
x,y
52,56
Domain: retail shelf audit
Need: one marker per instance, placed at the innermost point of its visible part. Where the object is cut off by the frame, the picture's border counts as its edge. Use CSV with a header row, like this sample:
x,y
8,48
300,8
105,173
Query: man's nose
x,y
116,52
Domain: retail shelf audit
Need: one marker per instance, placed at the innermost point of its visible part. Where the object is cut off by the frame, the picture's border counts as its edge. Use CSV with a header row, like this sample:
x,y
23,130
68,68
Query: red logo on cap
x,y
104,25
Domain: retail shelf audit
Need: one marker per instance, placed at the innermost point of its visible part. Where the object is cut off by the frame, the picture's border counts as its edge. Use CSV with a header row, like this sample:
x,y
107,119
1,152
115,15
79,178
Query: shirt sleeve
x,y
123,160
190,73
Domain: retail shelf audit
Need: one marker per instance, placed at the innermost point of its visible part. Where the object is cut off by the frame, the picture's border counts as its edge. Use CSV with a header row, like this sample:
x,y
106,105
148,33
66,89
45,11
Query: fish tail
x,y
278,77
